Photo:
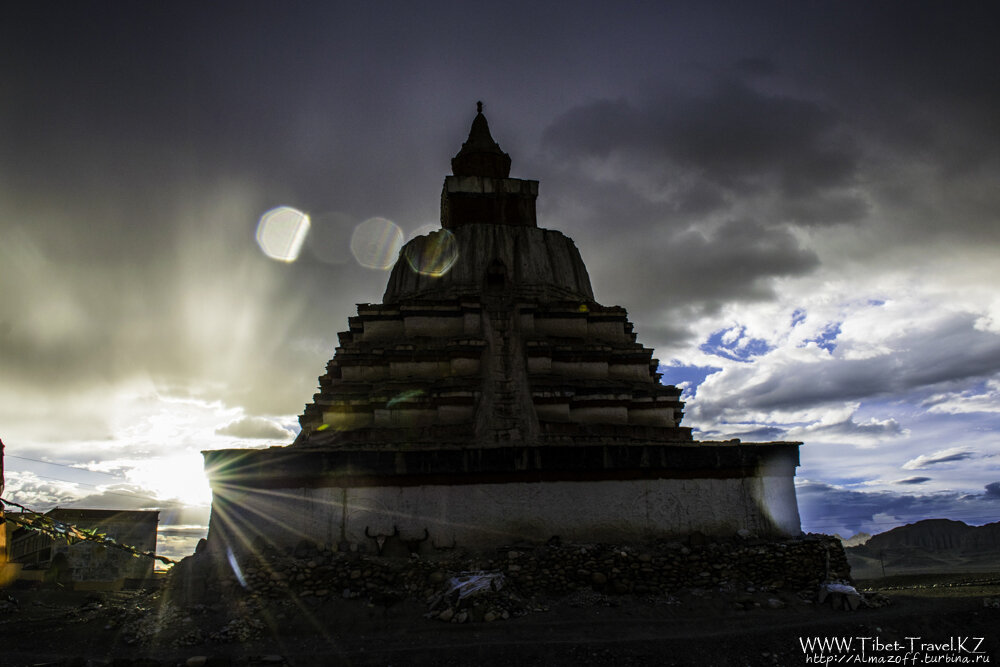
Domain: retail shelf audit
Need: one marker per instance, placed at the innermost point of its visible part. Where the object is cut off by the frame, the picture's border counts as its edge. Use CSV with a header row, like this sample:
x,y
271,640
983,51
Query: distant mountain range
x,y
932,545
855,540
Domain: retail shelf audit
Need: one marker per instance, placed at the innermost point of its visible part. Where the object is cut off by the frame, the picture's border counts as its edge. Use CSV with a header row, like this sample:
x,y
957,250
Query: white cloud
x,y
986,399
153,449
950,455
255,428
28,489
868,433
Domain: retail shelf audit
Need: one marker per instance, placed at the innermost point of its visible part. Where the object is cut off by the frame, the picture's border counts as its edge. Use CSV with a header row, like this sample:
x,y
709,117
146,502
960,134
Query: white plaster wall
x,y
487,515
777,496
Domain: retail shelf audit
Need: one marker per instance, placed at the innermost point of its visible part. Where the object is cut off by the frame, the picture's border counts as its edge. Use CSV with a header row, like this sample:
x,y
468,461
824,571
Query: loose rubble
x,y
459,587
466,588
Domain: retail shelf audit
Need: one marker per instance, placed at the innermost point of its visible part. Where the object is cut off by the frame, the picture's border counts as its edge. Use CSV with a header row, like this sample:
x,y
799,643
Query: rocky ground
x,y
277,615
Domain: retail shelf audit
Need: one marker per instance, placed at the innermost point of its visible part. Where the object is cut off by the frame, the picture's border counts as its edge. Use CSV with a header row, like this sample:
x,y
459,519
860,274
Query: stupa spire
x,y
480,154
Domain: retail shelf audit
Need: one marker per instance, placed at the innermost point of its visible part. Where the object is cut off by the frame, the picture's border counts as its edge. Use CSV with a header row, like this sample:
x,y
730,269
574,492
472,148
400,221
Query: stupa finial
x,y
480,154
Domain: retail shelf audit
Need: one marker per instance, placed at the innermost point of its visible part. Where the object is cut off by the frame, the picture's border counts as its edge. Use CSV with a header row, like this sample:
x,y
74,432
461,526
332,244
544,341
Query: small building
x,y
88,565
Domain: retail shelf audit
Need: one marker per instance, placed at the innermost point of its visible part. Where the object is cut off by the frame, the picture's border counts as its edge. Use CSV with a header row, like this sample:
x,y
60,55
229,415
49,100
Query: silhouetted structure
x,y
489,398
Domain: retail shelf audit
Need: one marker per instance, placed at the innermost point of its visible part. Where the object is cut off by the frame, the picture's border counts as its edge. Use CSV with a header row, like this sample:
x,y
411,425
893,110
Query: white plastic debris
x,y
842,596
841,588
471,583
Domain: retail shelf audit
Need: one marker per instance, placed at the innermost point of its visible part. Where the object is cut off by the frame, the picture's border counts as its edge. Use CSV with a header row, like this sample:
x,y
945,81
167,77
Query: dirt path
x,y
49,627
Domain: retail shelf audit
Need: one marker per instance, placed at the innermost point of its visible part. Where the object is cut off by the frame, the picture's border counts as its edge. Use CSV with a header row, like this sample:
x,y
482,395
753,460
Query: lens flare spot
x,y
375,243
432,255
281,232
322,427
583,308
231,557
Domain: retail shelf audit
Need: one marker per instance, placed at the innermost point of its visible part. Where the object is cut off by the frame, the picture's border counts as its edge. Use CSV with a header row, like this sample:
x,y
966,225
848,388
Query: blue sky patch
x,y
733,345
692,375
827,337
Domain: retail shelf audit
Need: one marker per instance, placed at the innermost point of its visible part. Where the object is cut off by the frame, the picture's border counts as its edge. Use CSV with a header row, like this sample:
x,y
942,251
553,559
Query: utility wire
x,y
113,493
63,465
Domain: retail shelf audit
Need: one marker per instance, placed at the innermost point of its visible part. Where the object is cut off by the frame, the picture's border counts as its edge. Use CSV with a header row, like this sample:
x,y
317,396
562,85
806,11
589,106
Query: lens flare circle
x,y
432,255
281,233
375,243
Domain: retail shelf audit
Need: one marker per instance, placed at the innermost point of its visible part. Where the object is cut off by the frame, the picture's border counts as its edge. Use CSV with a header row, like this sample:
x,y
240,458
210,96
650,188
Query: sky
x,y
796,202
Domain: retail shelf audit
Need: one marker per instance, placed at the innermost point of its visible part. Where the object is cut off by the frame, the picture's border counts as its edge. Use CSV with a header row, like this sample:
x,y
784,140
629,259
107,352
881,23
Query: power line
x,y
113,493
62,465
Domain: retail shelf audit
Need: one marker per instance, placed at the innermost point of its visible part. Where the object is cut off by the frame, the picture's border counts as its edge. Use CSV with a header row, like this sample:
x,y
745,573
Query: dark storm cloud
x,y
914,73
845,113
913,480
733,142
993,490
701,270
825,508
735,261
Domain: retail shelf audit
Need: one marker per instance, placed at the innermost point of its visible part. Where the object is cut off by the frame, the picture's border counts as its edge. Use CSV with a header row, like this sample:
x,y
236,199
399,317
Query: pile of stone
x,y
313,572
660,568
525,575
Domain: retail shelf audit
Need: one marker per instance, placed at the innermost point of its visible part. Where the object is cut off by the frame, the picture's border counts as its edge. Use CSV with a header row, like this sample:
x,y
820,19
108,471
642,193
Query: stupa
x,y
489,399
